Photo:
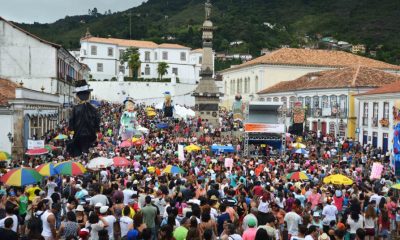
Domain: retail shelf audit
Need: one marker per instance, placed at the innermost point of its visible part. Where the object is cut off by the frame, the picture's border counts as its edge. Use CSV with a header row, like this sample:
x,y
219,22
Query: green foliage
x,y
162,69
372,22
132,56
221,65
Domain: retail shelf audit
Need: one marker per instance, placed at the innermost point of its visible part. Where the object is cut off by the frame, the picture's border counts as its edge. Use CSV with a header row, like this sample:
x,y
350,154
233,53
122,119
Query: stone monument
x,y
206,94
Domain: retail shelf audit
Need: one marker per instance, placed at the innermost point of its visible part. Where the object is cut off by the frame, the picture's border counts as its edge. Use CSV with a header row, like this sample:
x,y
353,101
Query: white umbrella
x,y
100,162
143,130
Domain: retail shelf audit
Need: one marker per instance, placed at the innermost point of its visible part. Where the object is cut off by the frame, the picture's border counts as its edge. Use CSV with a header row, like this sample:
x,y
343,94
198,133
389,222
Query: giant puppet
x,y
84,121
128,121
168,108
237,108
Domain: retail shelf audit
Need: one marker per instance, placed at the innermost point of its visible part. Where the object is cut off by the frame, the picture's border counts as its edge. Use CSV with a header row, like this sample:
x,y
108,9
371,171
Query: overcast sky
x,y
47,11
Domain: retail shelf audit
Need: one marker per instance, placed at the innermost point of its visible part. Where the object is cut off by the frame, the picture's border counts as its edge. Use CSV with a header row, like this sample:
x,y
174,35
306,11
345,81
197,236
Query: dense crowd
x,y
251,200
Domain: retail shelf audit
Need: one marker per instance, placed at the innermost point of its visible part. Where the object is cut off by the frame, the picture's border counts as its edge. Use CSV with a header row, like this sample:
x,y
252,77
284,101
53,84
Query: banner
x,y
32,144
181,154
264,128
298,113
229,163
376,172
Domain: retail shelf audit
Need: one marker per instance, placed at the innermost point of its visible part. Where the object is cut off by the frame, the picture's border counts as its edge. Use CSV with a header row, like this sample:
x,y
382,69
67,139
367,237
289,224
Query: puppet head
x,y
82,90
238,97
129,104
167,98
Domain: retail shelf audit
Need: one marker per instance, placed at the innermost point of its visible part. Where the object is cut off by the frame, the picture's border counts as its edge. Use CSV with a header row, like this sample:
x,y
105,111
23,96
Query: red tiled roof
x,y
133,43
388,88
339,78
316,57
172,45
7,91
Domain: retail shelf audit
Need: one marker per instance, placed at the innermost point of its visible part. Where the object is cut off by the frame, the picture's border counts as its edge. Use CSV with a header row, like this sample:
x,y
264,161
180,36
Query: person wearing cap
x,y
323,236
84,234
252,215
316,221
81,191
251,231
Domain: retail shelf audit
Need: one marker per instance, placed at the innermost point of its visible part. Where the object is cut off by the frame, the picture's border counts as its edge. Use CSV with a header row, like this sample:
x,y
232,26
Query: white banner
x,y
181,154
32,144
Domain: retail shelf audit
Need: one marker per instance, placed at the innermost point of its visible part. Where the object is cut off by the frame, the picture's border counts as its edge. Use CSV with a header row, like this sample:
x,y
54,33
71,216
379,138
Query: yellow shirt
x,y
131,213
31,192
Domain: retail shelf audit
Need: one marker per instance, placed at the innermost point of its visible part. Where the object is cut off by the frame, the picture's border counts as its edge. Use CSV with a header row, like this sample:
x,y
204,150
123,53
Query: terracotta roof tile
x,y
197,50
7,91
133,43
388,88
339,78
172,45
316,57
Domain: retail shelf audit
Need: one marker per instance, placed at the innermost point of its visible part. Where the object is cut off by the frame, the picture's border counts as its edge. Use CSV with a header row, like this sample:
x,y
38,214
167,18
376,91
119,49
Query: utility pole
x,y
130,24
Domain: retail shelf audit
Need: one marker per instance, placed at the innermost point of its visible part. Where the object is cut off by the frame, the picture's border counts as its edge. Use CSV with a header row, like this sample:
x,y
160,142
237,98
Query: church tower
x,y
207,94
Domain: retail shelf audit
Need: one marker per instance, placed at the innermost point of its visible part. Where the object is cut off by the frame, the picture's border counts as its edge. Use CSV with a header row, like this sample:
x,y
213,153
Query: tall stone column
x,y
17,150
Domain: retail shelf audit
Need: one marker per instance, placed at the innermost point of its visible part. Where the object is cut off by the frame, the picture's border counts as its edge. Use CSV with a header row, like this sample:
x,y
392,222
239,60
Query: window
x,y
375,114
301,100
386,110
256,84
284,101
316,102
110,52
121,52
225,87
99,67
200,60
183,56
147,56
233,84
156,56
147,70
175,71
333,101
275,99
325,102
84,52
246,89
343,106
165,55
237,86
292,99
269,99
93,50
122,69
365,114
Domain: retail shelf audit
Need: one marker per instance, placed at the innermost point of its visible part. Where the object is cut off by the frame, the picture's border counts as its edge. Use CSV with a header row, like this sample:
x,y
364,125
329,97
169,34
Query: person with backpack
x,y
48,220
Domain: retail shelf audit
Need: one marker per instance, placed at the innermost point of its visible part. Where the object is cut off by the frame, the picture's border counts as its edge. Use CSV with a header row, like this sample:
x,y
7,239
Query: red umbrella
x,y
126,144
121,162
37,151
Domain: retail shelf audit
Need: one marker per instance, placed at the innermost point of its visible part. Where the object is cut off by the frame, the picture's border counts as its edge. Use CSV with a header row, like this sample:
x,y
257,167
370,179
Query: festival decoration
x,y
70,168
384,122
128,120
37,151
192,148
19,177
46,169
173,169
121,162
84,121
297,176
338,179
168,108
238,108
61,137
4,156
298,113
100,162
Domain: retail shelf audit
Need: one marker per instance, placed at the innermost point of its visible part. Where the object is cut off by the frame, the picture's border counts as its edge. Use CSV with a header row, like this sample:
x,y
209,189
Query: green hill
x,y
371,22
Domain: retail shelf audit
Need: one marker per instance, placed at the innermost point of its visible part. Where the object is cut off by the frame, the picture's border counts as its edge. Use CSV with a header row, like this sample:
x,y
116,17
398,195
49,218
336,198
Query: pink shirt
x,y
249,234
314,199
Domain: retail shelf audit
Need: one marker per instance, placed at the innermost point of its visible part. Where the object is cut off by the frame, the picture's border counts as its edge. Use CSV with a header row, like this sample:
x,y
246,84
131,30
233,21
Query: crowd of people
x,y
251,200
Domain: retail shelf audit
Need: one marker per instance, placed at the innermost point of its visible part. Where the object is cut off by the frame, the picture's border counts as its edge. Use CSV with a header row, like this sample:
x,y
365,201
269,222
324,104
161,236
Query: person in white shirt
x,y
293,220
127,193
10,214
110,219
312,233
51,185
125,221
329,213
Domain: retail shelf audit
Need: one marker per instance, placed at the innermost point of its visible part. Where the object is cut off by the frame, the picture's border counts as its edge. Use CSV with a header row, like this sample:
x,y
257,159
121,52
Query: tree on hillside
x,y
162,69
132,57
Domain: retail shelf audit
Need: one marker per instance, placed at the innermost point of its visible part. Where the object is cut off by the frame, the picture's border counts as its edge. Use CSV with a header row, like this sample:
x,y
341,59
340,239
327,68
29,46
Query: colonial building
x,y
287,64
378,114
38,64
328,97
102,55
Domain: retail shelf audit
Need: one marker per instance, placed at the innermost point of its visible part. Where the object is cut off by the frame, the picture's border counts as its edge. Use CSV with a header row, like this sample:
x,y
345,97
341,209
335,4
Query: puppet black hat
x,y
129,99
82,86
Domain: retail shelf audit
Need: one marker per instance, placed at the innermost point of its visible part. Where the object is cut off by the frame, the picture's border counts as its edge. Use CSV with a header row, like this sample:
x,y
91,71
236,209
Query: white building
x,y
328,97
287,64
377,119
102,55
38,64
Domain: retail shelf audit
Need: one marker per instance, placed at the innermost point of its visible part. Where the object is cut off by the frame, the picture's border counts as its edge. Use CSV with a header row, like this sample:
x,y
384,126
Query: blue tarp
x,y
222,149
162,125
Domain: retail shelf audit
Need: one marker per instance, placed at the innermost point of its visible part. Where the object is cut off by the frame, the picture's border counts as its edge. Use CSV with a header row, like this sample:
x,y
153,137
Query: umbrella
x,y
162,125
300,151
121,162
95,103
70,168
192,148
46,169
21,176
99,162
222,149
4,156
396,186
137,141
338,179
50,147
298,145
143,130
297,176
151,169
61,137
126,144
173,169
37,151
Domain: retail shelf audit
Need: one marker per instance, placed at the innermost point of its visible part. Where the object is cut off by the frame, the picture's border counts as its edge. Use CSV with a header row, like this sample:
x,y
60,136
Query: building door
x,y
385,143
365,137
323,128
375,139
332,130
315,126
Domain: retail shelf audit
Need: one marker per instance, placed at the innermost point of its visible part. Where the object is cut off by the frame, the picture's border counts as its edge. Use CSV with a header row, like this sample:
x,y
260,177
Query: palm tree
x,y
162,69
132,57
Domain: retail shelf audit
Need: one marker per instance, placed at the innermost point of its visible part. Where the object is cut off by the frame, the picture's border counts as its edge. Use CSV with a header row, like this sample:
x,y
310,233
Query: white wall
x,y
149,93
6,123
25,58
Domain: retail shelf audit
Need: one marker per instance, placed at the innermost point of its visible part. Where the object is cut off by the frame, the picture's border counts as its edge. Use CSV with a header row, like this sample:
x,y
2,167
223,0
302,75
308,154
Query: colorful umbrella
x,y
137,141
297,176
50,147
151,169
46,169
173,169
61,137
121,162
396,186
298,145
4,156
99,162
126,144
338,179
21,177
70,168
192,148
37,151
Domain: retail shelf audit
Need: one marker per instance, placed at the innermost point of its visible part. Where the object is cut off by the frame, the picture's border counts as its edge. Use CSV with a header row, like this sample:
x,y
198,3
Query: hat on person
x,y
129,99
84,233
251,222
136,182
80,208
12,194
341,226
323,236
82,86
214,198
103,209
316,214
338,193
78,186
98,205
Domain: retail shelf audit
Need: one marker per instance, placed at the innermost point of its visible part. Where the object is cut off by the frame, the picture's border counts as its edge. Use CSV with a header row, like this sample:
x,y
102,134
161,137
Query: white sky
x,y
47,11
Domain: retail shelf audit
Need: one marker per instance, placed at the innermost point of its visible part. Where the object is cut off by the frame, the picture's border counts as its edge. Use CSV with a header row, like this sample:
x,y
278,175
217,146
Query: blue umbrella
x,y
162,125
222,149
